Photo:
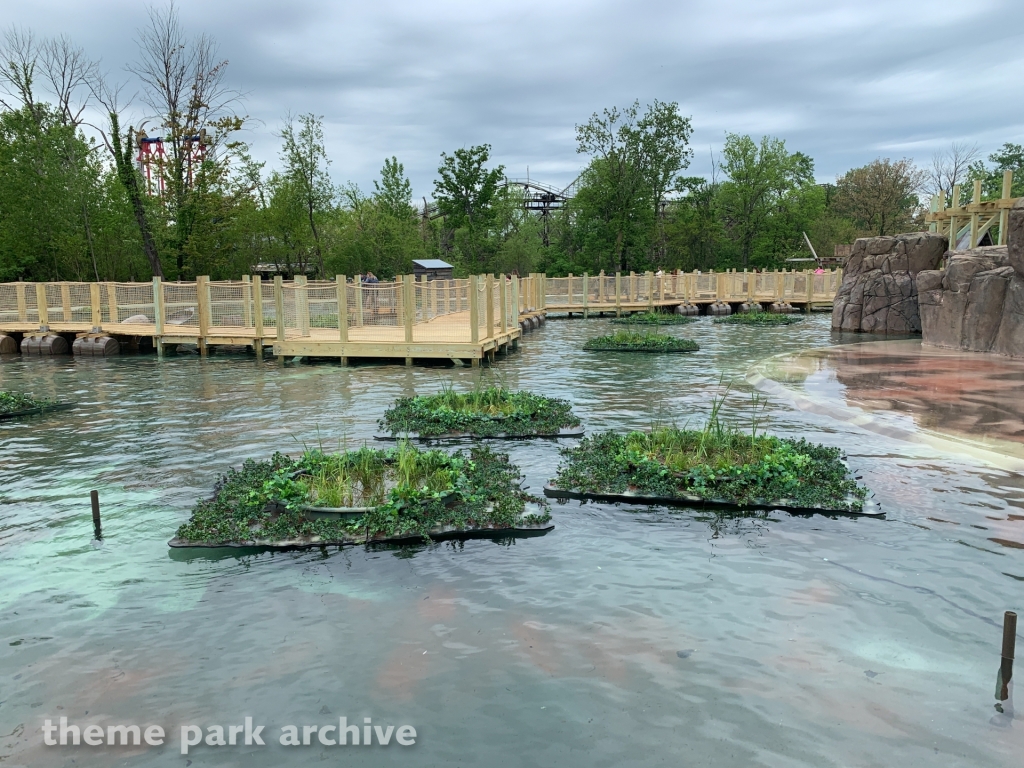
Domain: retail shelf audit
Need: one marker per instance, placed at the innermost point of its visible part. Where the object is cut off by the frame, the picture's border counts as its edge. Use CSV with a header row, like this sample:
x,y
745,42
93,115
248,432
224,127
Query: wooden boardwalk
x,y
466,320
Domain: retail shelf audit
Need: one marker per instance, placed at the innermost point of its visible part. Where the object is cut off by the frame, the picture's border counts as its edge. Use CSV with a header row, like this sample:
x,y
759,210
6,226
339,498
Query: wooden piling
x,y
94,497
1006,663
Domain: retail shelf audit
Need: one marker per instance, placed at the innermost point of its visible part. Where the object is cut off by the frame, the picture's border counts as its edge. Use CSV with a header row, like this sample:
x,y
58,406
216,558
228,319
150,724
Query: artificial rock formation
x,y
977,302
878,293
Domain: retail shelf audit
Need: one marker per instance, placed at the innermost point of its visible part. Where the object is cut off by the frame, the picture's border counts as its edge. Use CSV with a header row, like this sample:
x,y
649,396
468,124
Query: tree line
x,y
74,205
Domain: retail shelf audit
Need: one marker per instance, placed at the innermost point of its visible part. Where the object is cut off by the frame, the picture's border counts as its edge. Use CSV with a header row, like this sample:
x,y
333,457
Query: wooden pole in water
x,y
257,313
1006,664
94,497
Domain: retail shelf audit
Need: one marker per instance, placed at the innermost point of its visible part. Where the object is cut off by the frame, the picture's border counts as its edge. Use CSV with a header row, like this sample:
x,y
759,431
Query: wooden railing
x,y
966,225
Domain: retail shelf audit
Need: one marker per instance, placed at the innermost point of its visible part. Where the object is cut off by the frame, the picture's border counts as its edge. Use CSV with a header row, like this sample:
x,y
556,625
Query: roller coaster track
x,y
537,197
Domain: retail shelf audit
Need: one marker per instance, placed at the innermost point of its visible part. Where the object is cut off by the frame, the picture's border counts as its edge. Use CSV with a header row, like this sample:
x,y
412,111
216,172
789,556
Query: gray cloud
x,y
844,81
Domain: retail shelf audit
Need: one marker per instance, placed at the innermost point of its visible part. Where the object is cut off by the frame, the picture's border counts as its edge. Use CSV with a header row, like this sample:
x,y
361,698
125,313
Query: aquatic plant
x,y
485,411
403,492
15,402
654,318
639,341
719,462
758,318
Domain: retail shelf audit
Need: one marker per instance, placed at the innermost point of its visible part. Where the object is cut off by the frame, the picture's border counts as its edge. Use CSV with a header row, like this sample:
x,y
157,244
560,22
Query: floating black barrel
x,y
44,345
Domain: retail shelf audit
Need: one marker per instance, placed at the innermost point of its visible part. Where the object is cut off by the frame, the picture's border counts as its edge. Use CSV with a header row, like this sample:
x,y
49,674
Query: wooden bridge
x,y
464,320
967,225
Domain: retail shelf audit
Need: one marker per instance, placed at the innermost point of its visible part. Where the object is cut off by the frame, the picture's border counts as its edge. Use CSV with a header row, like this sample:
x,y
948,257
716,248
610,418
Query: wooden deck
x,y
461,320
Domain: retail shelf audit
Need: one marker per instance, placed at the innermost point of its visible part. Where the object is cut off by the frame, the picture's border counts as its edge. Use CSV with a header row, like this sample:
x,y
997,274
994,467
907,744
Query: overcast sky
x,y
844,81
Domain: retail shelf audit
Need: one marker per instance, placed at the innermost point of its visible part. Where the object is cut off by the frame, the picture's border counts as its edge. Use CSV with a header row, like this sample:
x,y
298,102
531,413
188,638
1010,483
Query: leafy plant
x,y
13,402
483,412
758,318
640,341
654,318
718,462
408,491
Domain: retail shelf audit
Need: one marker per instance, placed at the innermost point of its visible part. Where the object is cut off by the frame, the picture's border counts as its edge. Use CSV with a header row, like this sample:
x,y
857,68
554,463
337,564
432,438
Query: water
x,y
625,636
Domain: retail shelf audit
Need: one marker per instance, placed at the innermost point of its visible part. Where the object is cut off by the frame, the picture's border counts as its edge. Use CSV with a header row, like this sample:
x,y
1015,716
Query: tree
x,y
949,168
393,193
183,84
1009,157
636,160
464,192
764,181
881,197
305,159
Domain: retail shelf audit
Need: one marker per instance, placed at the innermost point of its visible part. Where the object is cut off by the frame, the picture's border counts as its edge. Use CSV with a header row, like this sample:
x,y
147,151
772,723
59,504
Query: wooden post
x,y
1004,213
503,297
94,301
474,310
357,283
342,288
112,302
719,286
515,299
41,308
751,279
279,307
650,291
408,305
600,288
19,291
952,219
246,301
810,290
568,291
975,199
631,296
158,315
489,316
1006,663
257,308
203,303
586,295
65,301
94,499
618,294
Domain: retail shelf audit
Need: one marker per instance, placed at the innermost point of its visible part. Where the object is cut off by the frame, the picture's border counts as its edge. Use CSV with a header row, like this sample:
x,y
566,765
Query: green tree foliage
x,y
880,198
464,192
1009,157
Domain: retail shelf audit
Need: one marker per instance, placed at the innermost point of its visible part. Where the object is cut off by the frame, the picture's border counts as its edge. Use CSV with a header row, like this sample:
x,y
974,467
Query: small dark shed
x,y
431,269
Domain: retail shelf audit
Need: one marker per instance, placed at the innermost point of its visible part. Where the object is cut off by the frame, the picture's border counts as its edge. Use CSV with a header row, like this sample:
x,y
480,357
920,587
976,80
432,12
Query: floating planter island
x,y
758,318
15,404
363,496
491,412
654,318
640,341
715,467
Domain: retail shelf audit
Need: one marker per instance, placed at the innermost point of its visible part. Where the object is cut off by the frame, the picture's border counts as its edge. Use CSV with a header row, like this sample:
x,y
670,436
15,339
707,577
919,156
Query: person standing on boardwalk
x,y
371,279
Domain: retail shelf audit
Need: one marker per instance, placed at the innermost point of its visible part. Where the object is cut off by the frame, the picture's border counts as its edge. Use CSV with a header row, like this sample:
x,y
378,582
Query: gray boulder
x,y
878,293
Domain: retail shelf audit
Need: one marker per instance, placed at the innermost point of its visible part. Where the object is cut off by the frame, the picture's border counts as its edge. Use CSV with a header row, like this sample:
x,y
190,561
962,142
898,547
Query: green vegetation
x,y
758,318
654,318
718,463
483,412
16,402
407,492
639,341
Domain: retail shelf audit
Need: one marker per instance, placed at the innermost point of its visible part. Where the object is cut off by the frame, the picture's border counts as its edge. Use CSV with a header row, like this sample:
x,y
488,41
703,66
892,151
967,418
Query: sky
x,y
844,81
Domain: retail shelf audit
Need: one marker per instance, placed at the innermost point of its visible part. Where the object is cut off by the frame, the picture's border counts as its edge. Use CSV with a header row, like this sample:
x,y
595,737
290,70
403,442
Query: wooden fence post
x,y
257,309
952,219
1004,213
203,309
810,290
357,283
586,295
158,316
618,294
342,287
489,316
41,308
279,307
94,302
503,296
408,291
474,310
976,200
650,290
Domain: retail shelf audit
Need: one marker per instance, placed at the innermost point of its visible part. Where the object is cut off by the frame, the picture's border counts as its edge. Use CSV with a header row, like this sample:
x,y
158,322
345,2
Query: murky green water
x,y
624,637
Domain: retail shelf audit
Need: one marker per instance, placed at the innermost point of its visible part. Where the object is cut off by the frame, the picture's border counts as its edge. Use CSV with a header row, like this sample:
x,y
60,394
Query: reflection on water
x,y
625,636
